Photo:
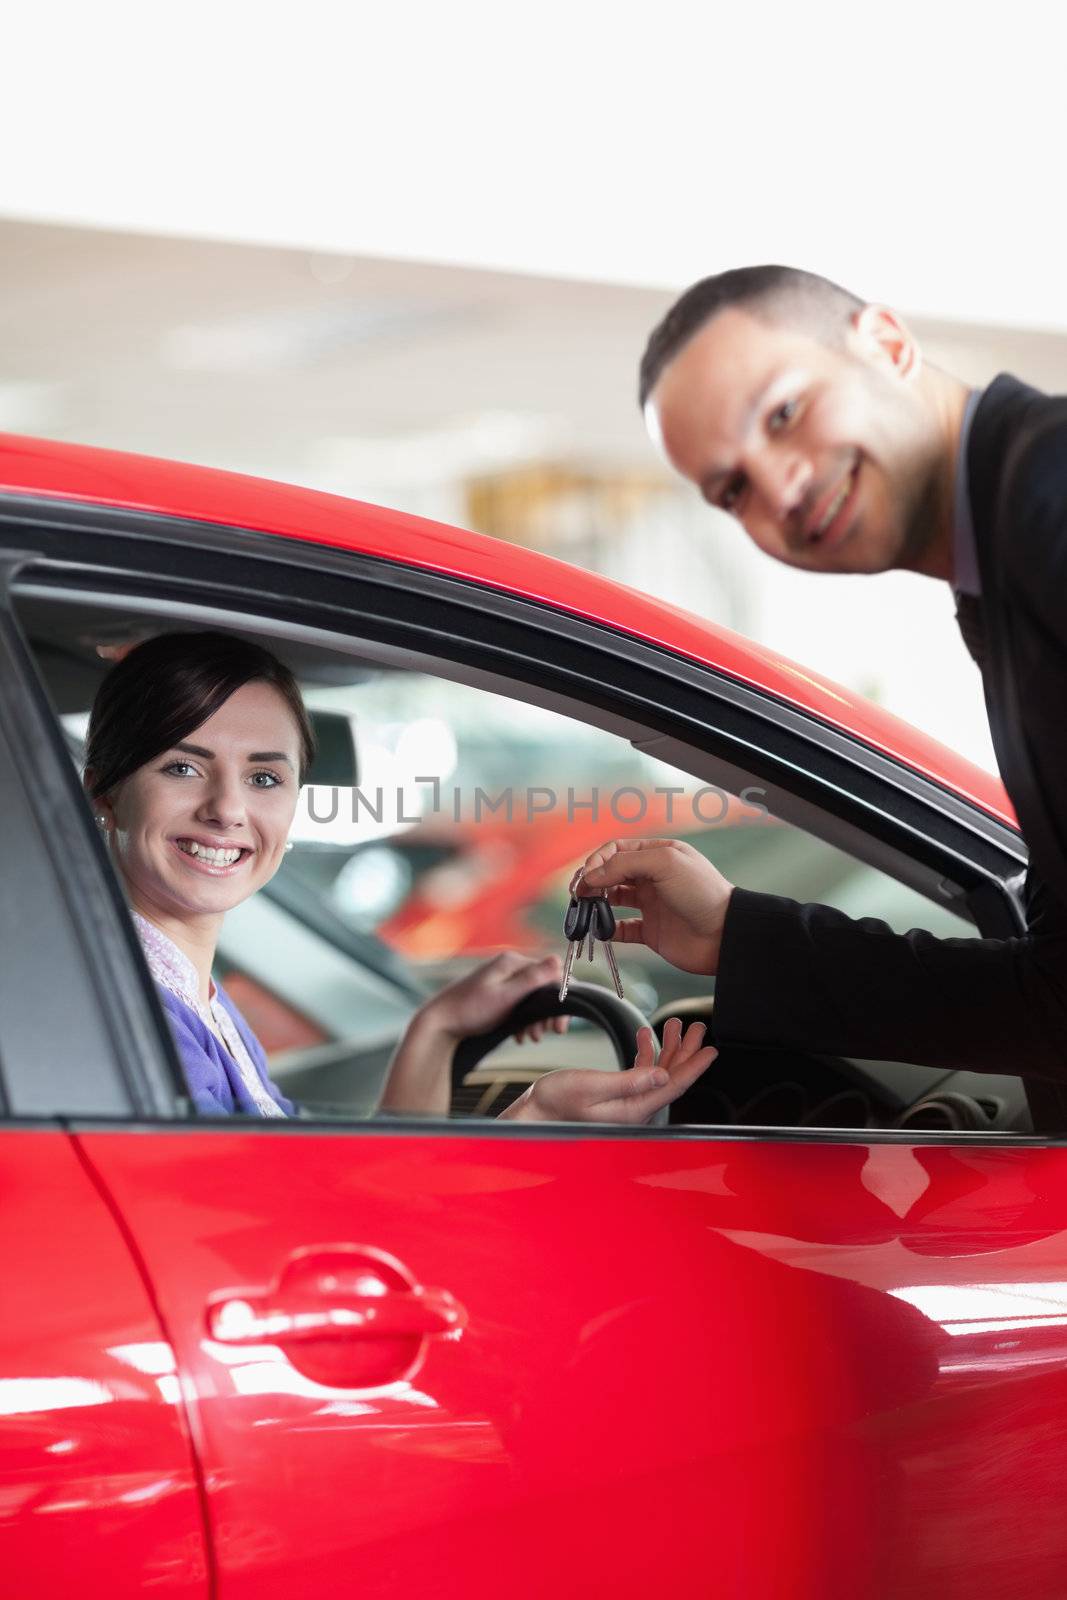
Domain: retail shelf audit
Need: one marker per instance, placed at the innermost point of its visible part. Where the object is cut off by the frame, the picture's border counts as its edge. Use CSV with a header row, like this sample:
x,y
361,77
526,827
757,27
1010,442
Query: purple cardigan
x,y
211,1073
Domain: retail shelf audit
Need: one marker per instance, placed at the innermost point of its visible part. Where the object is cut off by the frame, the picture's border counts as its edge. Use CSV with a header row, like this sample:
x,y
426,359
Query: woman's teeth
x,y
204,852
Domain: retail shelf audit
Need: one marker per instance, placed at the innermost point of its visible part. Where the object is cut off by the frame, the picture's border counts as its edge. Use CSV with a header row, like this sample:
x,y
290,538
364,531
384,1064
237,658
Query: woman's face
x,y
200,828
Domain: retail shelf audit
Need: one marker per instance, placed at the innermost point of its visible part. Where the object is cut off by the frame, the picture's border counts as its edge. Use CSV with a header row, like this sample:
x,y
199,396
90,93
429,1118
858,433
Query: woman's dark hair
x,y
165,688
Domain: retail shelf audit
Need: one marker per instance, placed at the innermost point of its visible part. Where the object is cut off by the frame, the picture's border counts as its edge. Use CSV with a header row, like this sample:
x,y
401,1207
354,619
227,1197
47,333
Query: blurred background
x,y
501,401
413,254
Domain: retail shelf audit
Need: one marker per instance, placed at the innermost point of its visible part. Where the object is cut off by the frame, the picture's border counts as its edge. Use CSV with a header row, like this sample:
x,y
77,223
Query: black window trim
x,y
127,1009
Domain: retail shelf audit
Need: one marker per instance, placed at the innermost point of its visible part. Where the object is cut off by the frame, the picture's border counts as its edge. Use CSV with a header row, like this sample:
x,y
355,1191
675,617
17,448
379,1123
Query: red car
x,y
807,1340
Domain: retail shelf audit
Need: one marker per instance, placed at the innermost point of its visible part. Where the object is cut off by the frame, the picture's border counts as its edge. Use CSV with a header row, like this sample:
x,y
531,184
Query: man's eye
x,y
731,493
783,415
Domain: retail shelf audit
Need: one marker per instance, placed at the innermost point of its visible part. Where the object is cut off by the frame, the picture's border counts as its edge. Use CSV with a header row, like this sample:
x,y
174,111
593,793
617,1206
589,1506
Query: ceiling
x,y
912,152
396,381
371,377
300,365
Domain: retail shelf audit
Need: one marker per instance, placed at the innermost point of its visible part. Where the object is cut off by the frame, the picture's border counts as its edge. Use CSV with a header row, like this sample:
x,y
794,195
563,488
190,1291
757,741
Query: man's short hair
x,y
784,295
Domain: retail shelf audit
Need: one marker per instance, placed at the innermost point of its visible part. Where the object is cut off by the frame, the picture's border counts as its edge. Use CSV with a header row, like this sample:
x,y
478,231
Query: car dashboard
x,y
803,1089
778,1088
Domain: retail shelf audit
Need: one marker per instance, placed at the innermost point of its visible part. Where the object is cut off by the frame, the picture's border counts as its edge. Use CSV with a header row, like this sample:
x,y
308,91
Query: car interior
x,y
373,910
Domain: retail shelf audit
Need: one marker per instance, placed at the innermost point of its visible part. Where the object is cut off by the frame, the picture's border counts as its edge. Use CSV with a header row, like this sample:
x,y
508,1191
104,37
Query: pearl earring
x,y
101,822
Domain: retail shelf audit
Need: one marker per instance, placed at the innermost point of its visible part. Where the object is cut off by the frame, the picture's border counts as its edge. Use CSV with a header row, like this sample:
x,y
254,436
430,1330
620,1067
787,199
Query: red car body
x,y
317,1359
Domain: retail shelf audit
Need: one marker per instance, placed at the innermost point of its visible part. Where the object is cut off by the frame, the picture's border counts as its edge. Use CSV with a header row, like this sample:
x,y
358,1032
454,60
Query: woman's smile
x,y
215,860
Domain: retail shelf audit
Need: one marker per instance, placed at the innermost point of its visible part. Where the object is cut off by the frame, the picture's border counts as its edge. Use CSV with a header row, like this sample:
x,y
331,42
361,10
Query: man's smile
x,y
830,520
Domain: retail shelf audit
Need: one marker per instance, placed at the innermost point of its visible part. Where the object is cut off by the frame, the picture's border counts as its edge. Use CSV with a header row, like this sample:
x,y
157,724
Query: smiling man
x,y
812,418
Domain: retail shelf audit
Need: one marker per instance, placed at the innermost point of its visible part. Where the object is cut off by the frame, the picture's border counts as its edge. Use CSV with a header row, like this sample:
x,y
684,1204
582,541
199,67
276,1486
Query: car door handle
x,y
352,1316
345,1315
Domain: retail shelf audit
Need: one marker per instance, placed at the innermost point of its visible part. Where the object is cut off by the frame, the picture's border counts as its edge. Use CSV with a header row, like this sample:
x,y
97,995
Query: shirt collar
x,y
966,578
168,965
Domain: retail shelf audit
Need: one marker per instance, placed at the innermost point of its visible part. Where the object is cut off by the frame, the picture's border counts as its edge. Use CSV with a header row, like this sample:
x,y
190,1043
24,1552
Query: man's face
x,y
824,454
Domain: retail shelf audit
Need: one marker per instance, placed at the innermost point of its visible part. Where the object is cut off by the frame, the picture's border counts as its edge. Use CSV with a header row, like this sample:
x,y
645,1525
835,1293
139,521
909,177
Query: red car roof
x,y
90,476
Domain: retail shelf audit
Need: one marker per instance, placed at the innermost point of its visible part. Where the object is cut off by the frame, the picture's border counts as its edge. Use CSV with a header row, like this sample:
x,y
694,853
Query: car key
x,y
599,925
575,928
589,918
602,927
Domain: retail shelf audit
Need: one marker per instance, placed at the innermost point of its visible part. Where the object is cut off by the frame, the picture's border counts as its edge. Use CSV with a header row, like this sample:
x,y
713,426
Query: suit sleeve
x,y
807,977
1030,572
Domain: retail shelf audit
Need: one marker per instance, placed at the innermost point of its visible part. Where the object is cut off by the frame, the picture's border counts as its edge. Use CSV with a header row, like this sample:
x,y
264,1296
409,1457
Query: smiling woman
x,y
194,828
197,746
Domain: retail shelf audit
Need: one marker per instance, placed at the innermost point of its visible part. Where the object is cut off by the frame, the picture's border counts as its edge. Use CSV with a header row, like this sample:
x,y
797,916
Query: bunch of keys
x,y
589,919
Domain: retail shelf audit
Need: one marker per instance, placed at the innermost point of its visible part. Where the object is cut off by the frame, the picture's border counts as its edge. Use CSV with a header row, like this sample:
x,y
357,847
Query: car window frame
x,y
240,571
591,667
118,1055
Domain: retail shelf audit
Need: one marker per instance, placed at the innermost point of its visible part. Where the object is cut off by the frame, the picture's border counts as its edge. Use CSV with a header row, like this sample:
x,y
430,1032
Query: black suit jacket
x,y
811,978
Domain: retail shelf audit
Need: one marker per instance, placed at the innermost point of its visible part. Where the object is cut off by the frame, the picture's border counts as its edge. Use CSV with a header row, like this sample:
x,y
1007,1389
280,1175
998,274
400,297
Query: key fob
x,y
603,922
578,919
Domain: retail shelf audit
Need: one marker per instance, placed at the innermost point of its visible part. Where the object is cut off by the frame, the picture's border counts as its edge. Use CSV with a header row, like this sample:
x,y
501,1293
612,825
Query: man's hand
x,y
681,897
582,1094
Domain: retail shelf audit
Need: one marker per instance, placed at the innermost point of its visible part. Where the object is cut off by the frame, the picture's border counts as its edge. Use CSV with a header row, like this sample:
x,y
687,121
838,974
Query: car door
x,y
479,1357
455,1361
100,1491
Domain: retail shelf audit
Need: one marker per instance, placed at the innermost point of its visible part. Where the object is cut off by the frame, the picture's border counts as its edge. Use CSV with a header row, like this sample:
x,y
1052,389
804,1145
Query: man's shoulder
x,y
1018,450
1017,466
1007,407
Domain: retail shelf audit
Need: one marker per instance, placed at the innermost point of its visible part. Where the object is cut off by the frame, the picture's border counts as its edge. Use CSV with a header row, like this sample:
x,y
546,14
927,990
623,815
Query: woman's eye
x,y
273,780
783,415
179,768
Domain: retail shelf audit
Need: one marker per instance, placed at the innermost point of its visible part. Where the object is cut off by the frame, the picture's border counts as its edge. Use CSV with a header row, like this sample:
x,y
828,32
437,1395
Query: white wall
x,y
913,151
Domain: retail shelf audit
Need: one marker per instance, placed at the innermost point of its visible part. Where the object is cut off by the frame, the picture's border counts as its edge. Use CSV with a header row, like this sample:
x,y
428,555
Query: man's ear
x,y
655,429
877,335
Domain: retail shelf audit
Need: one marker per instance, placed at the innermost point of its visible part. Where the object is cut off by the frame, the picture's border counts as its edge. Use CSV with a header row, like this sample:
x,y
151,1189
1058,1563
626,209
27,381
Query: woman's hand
x,y
483,998
586,1095
420,1073
681,897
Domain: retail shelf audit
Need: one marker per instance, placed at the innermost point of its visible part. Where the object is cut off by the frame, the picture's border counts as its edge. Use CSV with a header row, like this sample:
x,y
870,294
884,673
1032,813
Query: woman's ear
x,y
102,810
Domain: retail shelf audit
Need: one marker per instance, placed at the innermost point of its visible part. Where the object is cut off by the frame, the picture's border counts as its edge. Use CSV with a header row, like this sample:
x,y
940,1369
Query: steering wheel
x,y
620,1020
